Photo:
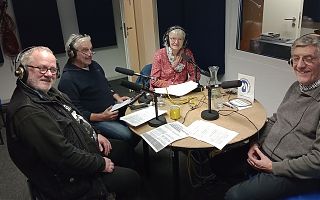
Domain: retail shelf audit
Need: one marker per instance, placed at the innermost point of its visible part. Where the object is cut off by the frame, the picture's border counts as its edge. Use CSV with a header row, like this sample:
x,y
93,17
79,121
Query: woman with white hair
x,y
168,65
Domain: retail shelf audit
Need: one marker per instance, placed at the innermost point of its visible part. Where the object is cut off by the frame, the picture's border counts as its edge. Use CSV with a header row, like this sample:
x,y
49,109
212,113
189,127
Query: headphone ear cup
x,y
71,52
58,72
21,73
165,38
290,62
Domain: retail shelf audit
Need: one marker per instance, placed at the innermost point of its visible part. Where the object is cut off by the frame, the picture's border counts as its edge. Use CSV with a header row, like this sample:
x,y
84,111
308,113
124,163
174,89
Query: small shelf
x,y
310,24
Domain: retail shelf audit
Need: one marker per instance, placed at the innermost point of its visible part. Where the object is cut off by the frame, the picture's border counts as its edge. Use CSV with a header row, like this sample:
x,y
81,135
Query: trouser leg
x,y
125,182
121,154
269,186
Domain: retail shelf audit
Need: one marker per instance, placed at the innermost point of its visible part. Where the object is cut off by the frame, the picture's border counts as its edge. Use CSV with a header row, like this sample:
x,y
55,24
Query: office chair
x,y
145,82
307,196
3,123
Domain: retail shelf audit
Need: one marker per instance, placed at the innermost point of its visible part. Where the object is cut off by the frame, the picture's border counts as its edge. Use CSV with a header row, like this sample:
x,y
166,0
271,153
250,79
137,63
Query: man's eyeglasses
x,y
43,69
87,52
308,60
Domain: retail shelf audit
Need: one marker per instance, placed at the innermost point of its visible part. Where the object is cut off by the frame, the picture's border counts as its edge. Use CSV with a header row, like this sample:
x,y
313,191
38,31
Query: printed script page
x,y
211,133
164,135
179,89
139,117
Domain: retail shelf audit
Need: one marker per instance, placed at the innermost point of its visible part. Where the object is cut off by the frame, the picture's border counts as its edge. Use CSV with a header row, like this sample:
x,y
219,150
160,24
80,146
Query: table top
x,y
235,121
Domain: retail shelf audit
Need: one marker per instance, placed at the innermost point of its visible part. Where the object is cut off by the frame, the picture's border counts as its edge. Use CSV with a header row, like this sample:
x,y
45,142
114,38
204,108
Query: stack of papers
x,y
179,89
139,117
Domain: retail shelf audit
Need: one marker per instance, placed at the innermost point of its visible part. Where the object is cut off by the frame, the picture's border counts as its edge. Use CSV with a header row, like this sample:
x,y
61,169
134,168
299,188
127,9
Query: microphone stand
x,y
145,98
209,114
199,87
158,120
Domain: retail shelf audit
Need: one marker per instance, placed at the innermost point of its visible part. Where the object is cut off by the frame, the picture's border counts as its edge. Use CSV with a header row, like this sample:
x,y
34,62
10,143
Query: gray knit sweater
x,y
292,135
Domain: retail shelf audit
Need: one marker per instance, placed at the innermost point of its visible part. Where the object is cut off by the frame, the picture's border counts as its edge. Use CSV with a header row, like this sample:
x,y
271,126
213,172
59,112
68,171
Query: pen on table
x,y
228,105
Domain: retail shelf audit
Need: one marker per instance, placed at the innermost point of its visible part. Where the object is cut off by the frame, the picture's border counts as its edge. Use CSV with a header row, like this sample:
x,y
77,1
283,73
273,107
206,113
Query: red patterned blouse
x,y
166,75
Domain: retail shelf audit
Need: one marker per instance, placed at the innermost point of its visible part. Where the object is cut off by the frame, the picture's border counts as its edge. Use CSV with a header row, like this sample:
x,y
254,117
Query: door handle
x,y
293,19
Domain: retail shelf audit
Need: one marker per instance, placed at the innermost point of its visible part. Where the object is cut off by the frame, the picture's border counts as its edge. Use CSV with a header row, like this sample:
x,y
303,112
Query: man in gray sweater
x,y
286,155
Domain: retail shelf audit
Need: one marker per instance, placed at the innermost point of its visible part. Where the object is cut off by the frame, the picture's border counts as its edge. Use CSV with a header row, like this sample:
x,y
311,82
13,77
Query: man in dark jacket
x,y
54,146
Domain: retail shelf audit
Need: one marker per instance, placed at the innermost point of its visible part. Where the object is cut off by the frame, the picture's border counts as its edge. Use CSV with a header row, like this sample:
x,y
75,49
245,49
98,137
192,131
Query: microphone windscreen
x,y
131,86
231,84
185,57
124,71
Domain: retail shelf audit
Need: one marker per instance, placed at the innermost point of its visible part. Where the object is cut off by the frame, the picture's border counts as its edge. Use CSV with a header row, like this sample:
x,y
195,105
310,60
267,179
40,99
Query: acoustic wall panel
x,y
38,23
204,21
95,18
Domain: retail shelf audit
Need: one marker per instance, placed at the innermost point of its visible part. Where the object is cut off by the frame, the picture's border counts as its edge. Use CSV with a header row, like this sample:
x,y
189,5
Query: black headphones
x,y
166,36
21,71
290,62
71,51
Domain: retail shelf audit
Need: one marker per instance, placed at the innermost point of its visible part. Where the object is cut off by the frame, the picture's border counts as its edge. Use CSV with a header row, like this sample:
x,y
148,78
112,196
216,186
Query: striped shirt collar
x,y
305,88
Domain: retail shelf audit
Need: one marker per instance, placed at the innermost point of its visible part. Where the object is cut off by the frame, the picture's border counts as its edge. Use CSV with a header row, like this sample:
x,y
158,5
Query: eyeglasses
x,y
176,39
87,52
43,69
308,60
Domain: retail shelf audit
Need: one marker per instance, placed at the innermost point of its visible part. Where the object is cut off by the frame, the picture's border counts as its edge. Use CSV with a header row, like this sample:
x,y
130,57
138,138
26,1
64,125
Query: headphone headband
x,y
71,51
20,70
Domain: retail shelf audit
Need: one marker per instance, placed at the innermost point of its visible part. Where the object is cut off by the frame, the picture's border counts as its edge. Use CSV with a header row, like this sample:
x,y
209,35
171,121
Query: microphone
x,y
130,72
133,86
158,120
188,59
228,84
213,114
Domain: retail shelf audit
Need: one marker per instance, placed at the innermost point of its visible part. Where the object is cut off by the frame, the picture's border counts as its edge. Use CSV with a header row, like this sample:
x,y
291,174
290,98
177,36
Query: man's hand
x,y
110,115
104,145
120,99
109,165
258,160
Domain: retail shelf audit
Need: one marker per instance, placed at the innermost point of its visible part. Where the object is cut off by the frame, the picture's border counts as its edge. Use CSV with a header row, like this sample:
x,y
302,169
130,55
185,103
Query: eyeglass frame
x,y
308,60
87,52
46,68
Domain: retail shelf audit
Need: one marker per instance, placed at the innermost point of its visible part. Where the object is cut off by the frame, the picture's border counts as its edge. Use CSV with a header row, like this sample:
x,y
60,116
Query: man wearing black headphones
x,y
85,83
286,156
168,65
54,146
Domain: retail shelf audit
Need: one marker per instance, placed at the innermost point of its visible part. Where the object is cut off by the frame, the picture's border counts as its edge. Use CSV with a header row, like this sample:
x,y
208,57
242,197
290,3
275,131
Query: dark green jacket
x,y
56,152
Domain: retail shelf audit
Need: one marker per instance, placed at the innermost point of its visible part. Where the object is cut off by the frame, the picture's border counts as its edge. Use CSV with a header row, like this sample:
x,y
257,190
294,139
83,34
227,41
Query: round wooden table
x,y
246,122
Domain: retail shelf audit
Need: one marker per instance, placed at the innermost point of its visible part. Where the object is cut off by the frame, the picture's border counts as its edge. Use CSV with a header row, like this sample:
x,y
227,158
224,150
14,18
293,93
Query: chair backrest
x,y
145,82
2,123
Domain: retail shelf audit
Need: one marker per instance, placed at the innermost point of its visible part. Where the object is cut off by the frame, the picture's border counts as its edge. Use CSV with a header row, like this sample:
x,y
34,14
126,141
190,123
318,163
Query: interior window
x,y
268,27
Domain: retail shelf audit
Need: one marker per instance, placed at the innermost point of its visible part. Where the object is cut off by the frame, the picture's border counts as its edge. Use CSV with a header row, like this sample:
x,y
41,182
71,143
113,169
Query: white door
x,y
282,16
130,35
